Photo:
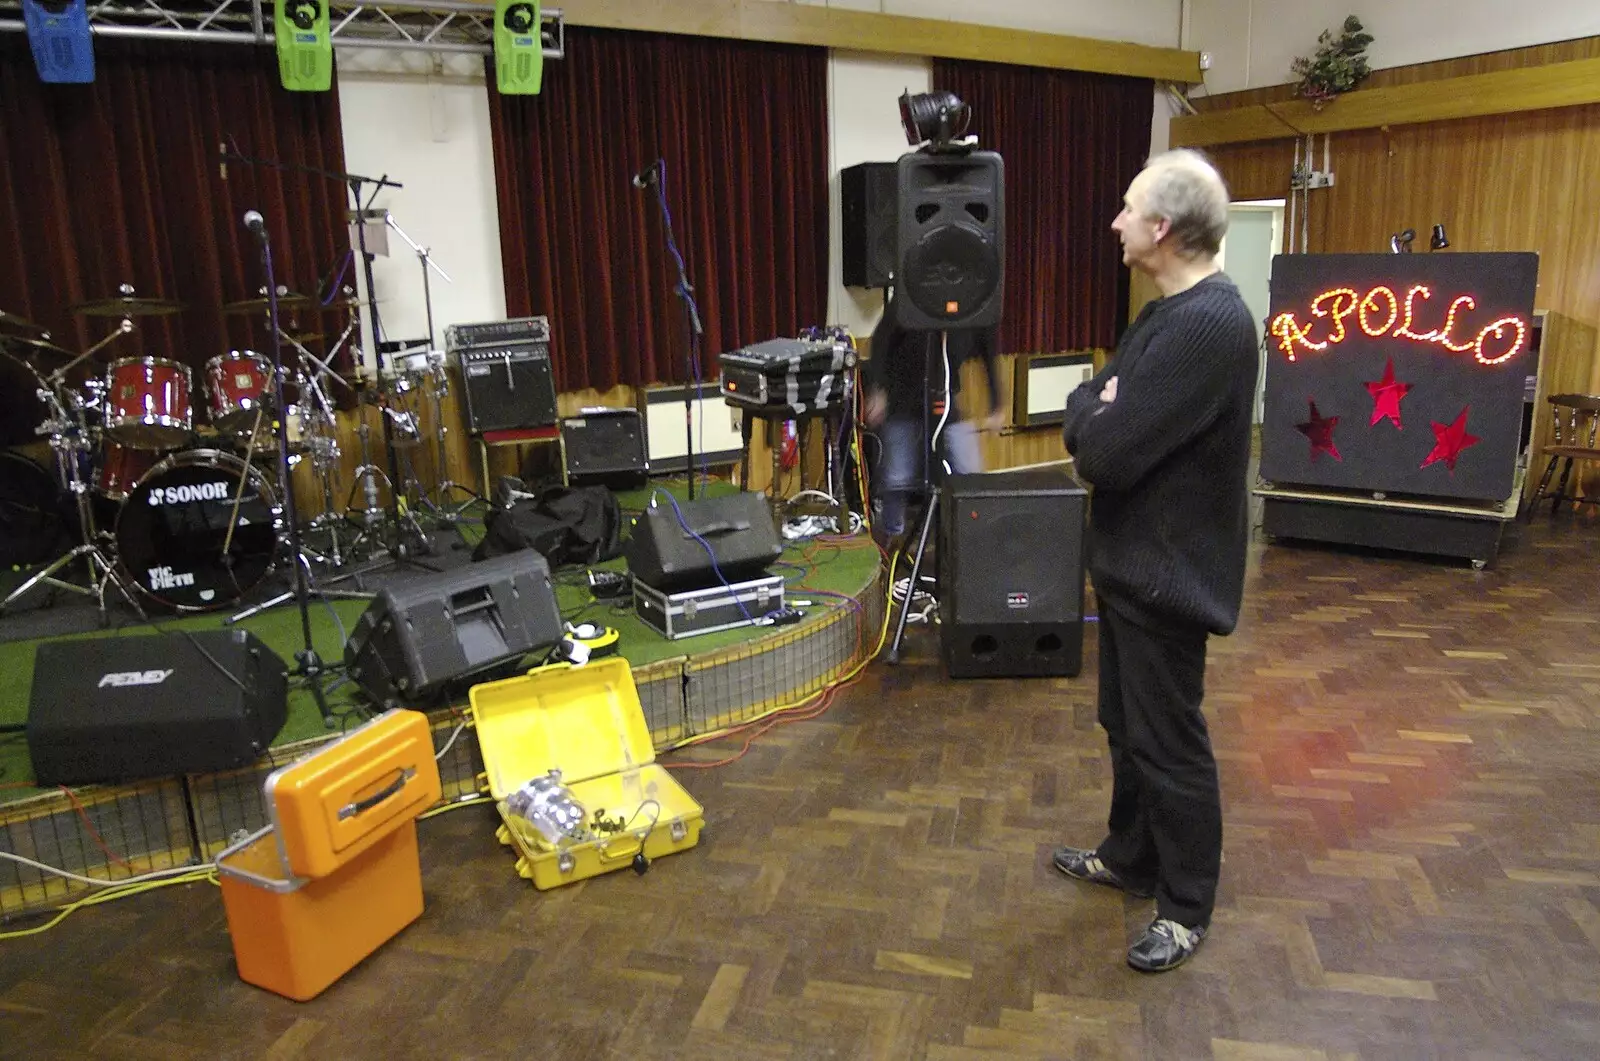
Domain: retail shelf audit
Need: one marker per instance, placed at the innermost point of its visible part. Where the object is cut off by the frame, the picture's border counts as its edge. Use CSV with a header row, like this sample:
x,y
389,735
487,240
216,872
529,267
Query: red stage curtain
x,y
742,128
1071,143
119,181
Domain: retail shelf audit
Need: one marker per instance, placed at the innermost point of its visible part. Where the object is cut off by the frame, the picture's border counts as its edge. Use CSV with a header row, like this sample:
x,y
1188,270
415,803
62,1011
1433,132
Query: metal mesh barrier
x,y
118,832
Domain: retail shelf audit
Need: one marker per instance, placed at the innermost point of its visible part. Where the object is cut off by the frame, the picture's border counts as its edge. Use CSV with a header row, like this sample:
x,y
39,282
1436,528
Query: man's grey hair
x,y
1186,189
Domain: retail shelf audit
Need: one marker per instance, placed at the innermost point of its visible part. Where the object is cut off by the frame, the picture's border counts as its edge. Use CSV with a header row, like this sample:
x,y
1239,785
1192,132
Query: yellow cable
x,y
207,873
457,805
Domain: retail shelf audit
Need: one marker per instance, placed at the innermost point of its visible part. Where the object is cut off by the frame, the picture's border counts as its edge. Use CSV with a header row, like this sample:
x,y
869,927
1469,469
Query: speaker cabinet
x,y
606,447
1011,575
950,241
421,637
118,709
666,553
867,193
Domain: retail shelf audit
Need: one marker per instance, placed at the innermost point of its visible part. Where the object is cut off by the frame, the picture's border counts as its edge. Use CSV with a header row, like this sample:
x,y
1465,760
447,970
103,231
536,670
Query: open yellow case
x,y
587,723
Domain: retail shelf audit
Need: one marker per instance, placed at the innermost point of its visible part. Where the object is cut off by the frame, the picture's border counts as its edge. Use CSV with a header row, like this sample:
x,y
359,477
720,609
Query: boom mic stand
x,y
307,662
655,175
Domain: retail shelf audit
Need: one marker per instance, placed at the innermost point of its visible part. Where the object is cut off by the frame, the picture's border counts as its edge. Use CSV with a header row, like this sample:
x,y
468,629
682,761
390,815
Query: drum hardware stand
x,y
67,441
307,662
929,487
400,550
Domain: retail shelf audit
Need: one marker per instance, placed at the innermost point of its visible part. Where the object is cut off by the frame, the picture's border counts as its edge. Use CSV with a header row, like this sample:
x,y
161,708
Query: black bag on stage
x,y
565,525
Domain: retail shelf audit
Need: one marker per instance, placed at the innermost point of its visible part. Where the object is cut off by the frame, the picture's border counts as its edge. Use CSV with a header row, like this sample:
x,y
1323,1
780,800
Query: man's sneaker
x,y
1164,945
1086,865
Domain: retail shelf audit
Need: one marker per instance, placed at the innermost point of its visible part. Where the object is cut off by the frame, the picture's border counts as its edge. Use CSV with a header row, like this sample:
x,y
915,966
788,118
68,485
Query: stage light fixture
x,y
1438,242
933,118
1400,242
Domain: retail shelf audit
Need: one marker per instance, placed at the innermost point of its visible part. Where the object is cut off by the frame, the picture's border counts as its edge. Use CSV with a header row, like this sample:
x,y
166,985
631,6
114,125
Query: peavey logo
x,y
163,578
177,495
134,677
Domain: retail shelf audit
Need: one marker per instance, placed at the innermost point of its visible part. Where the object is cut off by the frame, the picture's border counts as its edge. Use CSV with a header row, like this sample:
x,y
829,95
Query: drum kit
x,y
189,516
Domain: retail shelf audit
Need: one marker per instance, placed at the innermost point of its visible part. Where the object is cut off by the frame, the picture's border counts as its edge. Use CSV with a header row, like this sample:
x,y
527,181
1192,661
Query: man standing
x,y
1162,433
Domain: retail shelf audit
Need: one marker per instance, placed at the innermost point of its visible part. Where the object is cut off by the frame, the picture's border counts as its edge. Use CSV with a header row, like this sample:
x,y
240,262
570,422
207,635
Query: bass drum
x,y
32,509
190,538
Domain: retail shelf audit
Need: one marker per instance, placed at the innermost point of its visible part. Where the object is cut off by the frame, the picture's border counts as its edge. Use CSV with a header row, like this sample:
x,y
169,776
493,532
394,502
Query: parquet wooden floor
x,y
1411,774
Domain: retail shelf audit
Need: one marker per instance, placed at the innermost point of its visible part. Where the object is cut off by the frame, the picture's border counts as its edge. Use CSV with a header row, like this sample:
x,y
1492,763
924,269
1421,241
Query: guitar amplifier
x,y
505,373
796,374
607,446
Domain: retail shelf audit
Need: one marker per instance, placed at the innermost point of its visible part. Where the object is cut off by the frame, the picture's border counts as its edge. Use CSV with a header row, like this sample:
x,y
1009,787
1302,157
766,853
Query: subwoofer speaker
x,y
950,244
127,708
867,219
1011,574
420,638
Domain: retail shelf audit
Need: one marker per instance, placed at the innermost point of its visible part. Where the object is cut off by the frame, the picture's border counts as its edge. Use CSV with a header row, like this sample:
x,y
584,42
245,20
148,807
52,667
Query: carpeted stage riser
x,y
162,824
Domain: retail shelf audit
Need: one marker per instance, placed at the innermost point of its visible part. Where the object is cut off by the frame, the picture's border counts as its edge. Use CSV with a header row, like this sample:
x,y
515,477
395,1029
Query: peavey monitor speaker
x,y
127,708
1011,574
420,637
739,540
950,240
867,223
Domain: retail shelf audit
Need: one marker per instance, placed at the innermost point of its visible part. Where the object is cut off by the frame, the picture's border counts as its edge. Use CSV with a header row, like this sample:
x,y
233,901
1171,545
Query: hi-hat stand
x,y
930,487
69,440
307,663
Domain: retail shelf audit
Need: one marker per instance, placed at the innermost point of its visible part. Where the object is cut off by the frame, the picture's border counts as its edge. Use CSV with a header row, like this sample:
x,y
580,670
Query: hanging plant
x,y
1337,66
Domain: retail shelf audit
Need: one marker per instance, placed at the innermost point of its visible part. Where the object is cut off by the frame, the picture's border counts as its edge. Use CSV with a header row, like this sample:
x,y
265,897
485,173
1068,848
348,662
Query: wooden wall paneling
x,y
1567,364
870,31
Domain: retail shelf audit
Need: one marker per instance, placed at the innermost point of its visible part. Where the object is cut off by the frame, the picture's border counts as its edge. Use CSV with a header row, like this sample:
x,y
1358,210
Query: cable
x,y
119,890
451,742
160,874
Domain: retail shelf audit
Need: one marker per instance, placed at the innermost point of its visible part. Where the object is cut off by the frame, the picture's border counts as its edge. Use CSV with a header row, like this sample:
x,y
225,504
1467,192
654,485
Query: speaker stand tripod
x,y
930,488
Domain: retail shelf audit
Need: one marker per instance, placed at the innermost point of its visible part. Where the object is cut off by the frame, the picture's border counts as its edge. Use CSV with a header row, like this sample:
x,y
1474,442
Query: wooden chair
x,y
1574,428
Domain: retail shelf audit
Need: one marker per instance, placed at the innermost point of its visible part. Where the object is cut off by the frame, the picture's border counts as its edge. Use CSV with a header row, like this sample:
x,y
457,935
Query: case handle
x,y
720,527
350,810
607,855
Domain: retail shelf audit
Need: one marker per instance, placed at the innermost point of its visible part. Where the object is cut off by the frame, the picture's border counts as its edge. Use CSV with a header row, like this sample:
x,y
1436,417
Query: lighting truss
x,y
441,26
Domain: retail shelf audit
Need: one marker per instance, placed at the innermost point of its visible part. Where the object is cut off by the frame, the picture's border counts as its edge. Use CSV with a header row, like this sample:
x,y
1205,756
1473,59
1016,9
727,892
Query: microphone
x,y
647,176
256,223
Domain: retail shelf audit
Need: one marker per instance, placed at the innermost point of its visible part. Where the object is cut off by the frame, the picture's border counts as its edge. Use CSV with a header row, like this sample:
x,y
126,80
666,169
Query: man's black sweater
x,y
1168,458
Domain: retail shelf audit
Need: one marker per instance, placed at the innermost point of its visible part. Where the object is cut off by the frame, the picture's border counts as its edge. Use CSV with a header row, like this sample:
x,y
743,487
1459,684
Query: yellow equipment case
x,y
572,743
336,874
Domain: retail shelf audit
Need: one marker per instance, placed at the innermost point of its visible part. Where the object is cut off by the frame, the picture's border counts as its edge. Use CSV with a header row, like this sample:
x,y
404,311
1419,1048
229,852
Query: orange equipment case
x,y
336,874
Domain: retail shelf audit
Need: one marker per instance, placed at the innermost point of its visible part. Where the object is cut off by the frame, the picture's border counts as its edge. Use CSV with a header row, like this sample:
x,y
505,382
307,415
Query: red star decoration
x,y
1448,442
1319,429
1386,395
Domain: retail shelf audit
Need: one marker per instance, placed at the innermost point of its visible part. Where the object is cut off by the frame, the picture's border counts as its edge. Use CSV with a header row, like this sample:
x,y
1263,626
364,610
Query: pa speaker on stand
x,y
951,240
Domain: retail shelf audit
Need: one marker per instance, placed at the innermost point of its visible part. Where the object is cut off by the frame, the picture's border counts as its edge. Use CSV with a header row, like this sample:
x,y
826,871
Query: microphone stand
x,y
307,663
656,175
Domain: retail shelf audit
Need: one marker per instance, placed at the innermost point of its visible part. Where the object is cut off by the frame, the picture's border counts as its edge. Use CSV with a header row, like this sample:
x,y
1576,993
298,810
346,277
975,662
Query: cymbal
x,y
37,344
11,320
288,300
352,304
129,306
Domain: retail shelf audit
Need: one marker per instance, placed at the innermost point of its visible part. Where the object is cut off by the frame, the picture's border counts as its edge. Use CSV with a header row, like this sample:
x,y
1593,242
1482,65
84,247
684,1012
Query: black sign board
x,y
1400,373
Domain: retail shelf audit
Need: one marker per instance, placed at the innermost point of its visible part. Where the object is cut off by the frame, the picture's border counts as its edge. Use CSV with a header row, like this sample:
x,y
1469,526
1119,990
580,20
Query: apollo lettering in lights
x,y
1342,312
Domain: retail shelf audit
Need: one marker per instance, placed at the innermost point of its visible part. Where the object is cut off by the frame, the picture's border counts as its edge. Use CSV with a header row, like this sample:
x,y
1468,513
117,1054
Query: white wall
x,y
1252,42
425,124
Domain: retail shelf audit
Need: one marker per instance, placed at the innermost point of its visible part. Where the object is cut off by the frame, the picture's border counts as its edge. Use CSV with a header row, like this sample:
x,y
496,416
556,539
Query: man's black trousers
x,y
1166,809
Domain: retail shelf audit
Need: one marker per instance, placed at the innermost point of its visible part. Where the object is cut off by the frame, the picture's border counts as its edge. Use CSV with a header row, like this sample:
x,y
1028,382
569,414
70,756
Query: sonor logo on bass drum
x,y
177,495
134,677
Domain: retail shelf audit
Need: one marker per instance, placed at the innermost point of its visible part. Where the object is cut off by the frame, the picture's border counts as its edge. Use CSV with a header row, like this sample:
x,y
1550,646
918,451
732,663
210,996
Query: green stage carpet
x,y
838,568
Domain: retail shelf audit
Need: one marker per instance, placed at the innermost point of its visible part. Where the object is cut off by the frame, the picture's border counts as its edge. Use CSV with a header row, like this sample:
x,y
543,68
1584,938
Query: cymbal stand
x,y
402,525
69,439
439,381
